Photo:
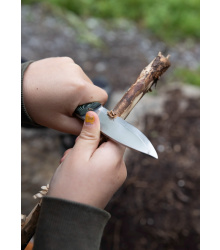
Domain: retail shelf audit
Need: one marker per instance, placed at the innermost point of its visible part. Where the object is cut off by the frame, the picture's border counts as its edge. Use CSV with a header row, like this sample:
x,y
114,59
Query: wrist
x,y
26,118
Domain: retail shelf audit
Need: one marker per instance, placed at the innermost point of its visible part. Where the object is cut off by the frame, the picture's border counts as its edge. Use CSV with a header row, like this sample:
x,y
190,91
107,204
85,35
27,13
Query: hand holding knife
x,y
112,124
118,129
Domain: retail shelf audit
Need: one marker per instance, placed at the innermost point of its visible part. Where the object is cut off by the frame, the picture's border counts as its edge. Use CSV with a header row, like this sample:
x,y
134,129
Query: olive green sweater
x,y
65,224
69,225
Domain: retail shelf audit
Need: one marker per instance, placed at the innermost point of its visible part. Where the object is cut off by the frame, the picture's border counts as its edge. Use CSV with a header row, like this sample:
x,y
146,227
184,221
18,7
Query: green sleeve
x,y
26,120
69,225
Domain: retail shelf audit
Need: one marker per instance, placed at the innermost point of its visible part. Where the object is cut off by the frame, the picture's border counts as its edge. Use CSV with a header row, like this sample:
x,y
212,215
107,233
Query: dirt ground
x,y
158,207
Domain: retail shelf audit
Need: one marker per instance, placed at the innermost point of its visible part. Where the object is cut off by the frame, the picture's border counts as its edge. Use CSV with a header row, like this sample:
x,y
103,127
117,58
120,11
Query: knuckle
x,y
120,162
89,136
80,86
121,175
124,172
77,69
104,96
67,59
77,87
101,94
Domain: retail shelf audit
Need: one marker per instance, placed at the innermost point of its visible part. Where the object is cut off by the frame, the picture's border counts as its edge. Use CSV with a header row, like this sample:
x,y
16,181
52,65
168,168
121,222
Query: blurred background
x,y
158,207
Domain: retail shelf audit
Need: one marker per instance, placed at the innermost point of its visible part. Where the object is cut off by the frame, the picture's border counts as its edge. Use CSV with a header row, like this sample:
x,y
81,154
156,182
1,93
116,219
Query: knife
x,y
118,129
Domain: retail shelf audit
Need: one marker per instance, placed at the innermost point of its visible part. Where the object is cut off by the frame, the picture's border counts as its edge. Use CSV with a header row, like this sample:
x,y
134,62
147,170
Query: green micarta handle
x,y
83,109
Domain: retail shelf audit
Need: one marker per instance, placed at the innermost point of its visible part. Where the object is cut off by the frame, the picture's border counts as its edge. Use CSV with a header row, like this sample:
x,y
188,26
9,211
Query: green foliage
x,y
171,20
188,76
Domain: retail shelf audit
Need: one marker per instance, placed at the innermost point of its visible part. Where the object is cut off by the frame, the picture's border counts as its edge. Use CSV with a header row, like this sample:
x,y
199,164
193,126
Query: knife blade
x,y
118,129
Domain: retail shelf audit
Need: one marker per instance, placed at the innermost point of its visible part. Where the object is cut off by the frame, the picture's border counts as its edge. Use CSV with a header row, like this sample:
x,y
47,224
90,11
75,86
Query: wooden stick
x,y
147,78
29,225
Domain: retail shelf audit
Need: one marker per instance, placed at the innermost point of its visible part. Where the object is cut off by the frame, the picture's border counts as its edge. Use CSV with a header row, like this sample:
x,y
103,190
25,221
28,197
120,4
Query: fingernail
x,y
89,119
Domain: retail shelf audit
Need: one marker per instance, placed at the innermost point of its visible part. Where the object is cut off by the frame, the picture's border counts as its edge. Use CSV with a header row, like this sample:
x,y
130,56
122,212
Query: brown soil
x,y
158,206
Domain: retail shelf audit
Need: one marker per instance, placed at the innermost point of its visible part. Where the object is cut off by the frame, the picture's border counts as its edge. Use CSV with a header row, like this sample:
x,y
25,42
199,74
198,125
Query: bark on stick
x,y
29,226
148,76
29,223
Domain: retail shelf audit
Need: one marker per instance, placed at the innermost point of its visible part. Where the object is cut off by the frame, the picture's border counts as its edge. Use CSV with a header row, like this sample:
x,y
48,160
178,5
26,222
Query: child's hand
x,y
53,88
88,174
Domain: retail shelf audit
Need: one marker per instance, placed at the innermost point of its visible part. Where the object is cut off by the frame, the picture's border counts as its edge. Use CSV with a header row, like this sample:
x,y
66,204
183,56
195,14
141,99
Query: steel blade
x,y
122,132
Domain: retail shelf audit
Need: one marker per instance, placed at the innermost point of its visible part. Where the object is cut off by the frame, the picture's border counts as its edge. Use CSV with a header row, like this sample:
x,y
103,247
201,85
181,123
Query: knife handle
x,y
83,109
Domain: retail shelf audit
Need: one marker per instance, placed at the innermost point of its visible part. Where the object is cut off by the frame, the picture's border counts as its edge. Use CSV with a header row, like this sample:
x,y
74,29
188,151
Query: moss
x,y
188,76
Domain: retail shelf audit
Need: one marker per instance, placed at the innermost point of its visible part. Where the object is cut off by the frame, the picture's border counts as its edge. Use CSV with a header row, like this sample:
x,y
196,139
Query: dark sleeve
x,y
69,225
26,120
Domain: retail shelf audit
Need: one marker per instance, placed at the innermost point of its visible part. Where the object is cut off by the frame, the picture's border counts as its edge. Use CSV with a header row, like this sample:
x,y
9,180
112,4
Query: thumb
x,y
89,138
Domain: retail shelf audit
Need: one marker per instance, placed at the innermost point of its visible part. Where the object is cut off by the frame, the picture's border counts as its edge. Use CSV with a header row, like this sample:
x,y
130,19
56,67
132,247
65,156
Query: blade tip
x,y
153,154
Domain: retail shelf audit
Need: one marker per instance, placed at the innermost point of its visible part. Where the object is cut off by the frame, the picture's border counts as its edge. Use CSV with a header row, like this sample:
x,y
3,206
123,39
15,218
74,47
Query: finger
x,y
67,124
65,154
110,152
89,137
92,93
99,95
